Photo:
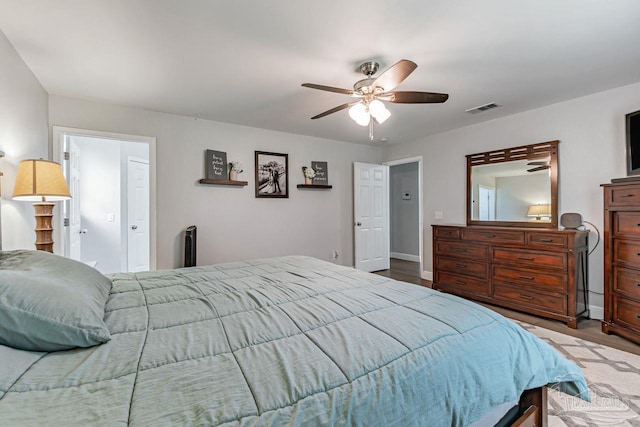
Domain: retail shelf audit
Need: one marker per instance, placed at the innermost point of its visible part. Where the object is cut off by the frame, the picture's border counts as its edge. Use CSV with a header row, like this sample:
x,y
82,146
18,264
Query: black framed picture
x,y
272,175
216,165
322,174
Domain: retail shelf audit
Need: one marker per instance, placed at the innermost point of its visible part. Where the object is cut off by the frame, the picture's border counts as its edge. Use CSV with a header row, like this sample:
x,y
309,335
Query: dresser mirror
x,y
514,187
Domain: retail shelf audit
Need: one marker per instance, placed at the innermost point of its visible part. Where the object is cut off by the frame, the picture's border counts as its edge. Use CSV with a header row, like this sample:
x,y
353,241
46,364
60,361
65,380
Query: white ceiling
x,y
243,61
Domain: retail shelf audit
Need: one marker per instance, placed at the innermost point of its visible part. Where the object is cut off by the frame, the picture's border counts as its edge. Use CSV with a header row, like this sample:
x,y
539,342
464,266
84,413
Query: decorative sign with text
x,y
322,175
216,164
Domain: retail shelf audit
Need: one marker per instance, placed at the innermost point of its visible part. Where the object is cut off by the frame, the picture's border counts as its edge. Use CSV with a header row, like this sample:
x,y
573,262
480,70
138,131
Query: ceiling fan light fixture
x,y
379,111
360,114
376,106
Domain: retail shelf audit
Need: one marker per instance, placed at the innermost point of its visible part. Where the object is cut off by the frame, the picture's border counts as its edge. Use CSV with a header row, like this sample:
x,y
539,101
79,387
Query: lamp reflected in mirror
x,y
540,211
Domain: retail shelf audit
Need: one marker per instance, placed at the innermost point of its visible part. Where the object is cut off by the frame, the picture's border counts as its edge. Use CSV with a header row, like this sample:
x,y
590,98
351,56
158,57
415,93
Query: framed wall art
x,y
216,165
272,175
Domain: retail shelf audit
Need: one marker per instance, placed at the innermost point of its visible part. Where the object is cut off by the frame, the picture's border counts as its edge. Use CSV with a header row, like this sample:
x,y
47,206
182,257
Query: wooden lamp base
x,y
44,227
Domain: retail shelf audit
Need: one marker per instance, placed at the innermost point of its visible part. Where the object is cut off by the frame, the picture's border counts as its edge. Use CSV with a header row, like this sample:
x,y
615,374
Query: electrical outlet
x,y
439,215
111,217
335,254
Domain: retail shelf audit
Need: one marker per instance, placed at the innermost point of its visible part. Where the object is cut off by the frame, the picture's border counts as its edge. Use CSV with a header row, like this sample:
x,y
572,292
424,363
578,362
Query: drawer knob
x,y
637,316
460,250
527,297
546,240
526,277
526,258
638,284
490,236
460,282
626,195
461,266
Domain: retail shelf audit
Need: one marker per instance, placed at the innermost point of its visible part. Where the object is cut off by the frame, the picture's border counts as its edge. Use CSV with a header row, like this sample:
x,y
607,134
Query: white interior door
x,y
486,203
73,248
138,214
371,216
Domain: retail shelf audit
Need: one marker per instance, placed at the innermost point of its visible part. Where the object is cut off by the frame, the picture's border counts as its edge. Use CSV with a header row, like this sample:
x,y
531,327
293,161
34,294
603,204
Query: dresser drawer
x,y
493,236
531,258
626,224
468,268
626,252
528,298
626,312
466,284
624,196
626,282
547,240
446,233
459,249
543,281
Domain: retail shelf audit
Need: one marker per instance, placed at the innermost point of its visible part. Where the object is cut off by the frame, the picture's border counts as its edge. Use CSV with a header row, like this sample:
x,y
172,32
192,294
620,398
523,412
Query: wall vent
x,y
481,108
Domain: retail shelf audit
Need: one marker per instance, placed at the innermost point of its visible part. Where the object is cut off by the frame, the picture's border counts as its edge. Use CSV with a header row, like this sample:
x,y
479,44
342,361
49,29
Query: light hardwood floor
x,y
588,329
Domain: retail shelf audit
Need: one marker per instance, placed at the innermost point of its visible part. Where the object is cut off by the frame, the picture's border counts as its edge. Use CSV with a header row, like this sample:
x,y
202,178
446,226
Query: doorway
x,y
405,201
110,221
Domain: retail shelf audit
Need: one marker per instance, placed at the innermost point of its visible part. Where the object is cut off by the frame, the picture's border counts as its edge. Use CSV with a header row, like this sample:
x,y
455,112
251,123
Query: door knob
x,y
358,224
134,227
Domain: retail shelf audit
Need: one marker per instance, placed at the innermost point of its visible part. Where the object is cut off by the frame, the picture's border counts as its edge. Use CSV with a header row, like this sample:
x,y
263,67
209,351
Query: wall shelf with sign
x,y
222,182
316,186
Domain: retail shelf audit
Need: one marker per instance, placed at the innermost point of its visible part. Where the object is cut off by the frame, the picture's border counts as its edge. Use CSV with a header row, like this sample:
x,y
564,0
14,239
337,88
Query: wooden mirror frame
x,y
525,152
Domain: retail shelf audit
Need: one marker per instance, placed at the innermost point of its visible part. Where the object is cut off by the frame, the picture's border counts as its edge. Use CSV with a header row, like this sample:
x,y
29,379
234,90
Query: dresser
x,y
622,260
537,271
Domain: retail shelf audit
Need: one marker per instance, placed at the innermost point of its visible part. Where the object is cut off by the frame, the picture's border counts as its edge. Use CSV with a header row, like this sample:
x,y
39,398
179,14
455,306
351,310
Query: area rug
x,y
614,383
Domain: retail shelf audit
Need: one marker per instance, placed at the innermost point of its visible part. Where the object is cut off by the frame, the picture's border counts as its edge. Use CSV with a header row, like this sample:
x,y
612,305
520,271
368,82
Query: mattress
x,y
282,341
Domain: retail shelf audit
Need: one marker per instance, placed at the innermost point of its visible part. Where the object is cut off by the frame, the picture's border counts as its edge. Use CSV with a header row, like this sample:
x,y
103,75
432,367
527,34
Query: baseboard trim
x,y
427,275
405,257
596,312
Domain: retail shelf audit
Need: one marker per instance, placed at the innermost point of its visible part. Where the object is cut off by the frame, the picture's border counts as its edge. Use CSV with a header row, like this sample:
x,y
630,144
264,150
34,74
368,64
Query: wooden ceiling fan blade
x,y
539,168
395,75
328,88
334,110
401,97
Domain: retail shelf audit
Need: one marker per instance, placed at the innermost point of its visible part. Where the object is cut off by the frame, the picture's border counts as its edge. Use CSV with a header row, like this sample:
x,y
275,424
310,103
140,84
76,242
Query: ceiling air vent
x,y
482,108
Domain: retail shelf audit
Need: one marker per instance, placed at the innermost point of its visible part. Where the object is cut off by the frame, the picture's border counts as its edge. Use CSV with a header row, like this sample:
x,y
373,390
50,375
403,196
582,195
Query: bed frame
x,y
532,409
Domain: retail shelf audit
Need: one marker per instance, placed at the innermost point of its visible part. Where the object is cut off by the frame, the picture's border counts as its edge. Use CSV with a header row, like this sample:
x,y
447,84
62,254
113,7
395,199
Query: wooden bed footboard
x,y
532,408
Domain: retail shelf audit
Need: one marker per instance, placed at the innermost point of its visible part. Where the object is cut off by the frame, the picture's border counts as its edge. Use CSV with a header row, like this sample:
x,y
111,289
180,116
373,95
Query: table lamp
x,y
41,181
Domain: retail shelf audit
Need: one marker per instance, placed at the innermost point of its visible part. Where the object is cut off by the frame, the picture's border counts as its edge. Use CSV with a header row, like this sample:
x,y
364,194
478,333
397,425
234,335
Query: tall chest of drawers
x,y
538,271
622,260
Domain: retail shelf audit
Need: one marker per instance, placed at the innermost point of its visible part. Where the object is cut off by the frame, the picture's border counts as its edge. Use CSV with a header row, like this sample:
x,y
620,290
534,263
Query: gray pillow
x,y
50,303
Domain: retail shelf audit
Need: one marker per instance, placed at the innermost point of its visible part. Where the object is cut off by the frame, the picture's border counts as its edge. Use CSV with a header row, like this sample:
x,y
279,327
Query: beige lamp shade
x,y
40,180
539,211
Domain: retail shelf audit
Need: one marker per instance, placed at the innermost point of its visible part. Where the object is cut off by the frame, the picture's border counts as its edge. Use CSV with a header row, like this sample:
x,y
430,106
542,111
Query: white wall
x,y
232,223
405,220
514,195
23,135
591,131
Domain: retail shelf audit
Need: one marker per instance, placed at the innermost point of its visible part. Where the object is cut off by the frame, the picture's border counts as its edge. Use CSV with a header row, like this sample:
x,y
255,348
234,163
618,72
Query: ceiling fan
x,y
539,166
372,91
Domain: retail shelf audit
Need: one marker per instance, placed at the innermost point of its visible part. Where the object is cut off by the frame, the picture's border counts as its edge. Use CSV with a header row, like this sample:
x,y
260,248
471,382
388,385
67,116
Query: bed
x,y
283,341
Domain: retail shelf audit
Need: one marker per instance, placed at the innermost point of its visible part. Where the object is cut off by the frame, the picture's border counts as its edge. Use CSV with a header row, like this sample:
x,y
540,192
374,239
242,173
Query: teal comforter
x,y
285,341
